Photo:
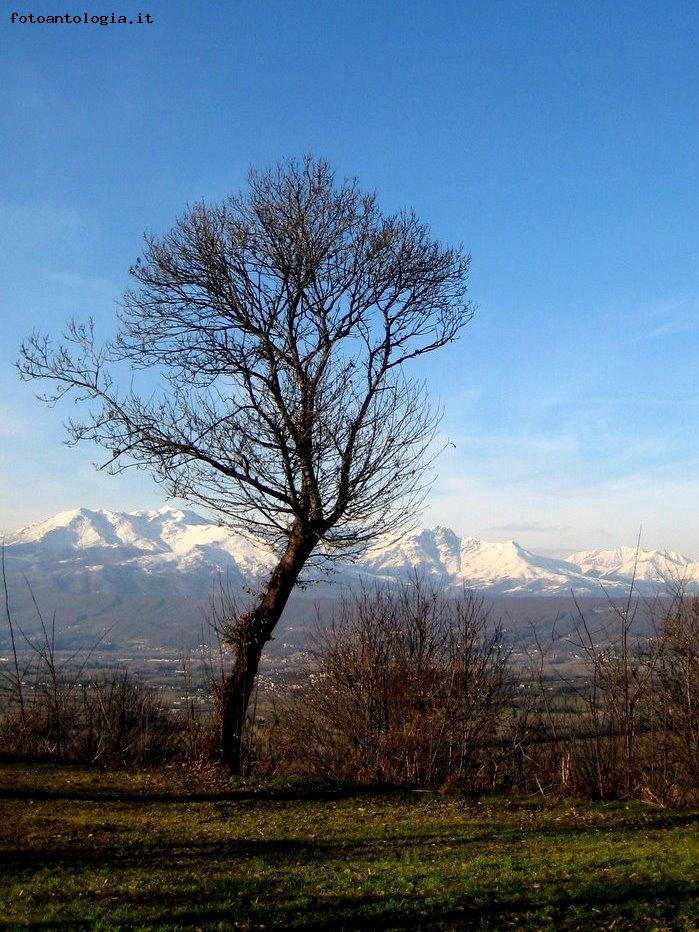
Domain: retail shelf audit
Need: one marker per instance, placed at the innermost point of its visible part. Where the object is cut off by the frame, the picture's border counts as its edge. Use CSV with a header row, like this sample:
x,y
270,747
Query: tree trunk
x,y
252,631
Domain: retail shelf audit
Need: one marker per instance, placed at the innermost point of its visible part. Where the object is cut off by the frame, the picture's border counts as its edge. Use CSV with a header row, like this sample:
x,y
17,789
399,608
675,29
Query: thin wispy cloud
x,y
673,318
530,527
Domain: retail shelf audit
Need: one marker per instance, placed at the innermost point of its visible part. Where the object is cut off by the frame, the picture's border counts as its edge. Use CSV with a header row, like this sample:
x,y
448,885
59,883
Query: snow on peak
x,y
653,566
78,528
173,539
502,566
171,534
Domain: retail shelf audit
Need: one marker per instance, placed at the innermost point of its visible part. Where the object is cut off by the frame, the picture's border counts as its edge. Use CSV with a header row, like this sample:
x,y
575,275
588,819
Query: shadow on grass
x,y
287,792
587,907
274,852
211,883
318,791
233,853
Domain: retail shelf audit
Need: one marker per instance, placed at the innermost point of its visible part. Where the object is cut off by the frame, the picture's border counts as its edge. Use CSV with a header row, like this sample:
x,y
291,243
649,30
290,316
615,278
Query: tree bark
x,y
252,631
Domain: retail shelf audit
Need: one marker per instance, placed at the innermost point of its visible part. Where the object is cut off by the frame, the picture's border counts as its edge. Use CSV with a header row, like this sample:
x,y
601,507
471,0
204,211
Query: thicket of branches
x,y
54,706
417,687
626,722
408,687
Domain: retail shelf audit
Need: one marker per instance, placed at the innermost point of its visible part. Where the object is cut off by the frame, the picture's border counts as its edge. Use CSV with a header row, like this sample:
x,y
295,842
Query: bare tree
x,y
279,323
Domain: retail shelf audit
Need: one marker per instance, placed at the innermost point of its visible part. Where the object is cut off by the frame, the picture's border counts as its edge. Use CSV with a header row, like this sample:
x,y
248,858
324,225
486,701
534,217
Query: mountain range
x,y
147,578
155,568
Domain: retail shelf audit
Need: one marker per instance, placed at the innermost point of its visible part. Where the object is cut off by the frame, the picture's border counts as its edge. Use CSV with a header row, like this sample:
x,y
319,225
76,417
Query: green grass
x,y
82,849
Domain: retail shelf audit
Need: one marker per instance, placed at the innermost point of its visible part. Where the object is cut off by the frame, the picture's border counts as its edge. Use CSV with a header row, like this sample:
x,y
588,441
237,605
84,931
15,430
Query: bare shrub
x,y
52,708
120,722
626,722
408,686
612,696
585,730
110,721
671,764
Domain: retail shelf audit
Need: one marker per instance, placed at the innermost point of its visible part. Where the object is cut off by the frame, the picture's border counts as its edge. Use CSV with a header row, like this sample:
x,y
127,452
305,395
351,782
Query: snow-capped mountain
x,y
147,576
176,546
168,539
502,568
650,567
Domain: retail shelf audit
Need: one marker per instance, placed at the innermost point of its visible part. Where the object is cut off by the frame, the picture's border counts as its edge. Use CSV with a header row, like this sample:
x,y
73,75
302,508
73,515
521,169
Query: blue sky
x,y
558,141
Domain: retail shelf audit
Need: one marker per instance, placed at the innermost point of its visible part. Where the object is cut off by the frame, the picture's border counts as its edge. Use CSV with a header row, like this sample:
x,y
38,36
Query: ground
x,y
165,849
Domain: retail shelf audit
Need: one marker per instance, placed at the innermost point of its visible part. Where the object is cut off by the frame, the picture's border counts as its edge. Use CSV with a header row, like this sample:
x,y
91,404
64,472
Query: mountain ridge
x,y
171,540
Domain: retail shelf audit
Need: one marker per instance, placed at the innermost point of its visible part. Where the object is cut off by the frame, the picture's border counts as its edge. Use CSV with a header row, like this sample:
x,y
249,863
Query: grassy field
x,y
82,849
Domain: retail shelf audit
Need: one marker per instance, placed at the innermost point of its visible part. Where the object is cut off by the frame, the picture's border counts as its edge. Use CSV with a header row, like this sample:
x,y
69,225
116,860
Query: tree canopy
x,y
279,322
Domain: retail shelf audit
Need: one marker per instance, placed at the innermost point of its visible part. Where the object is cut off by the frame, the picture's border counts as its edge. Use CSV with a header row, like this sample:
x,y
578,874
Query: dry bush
x,y
121,723
627,723
110,721
51,708
583,730
671,719
408,687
